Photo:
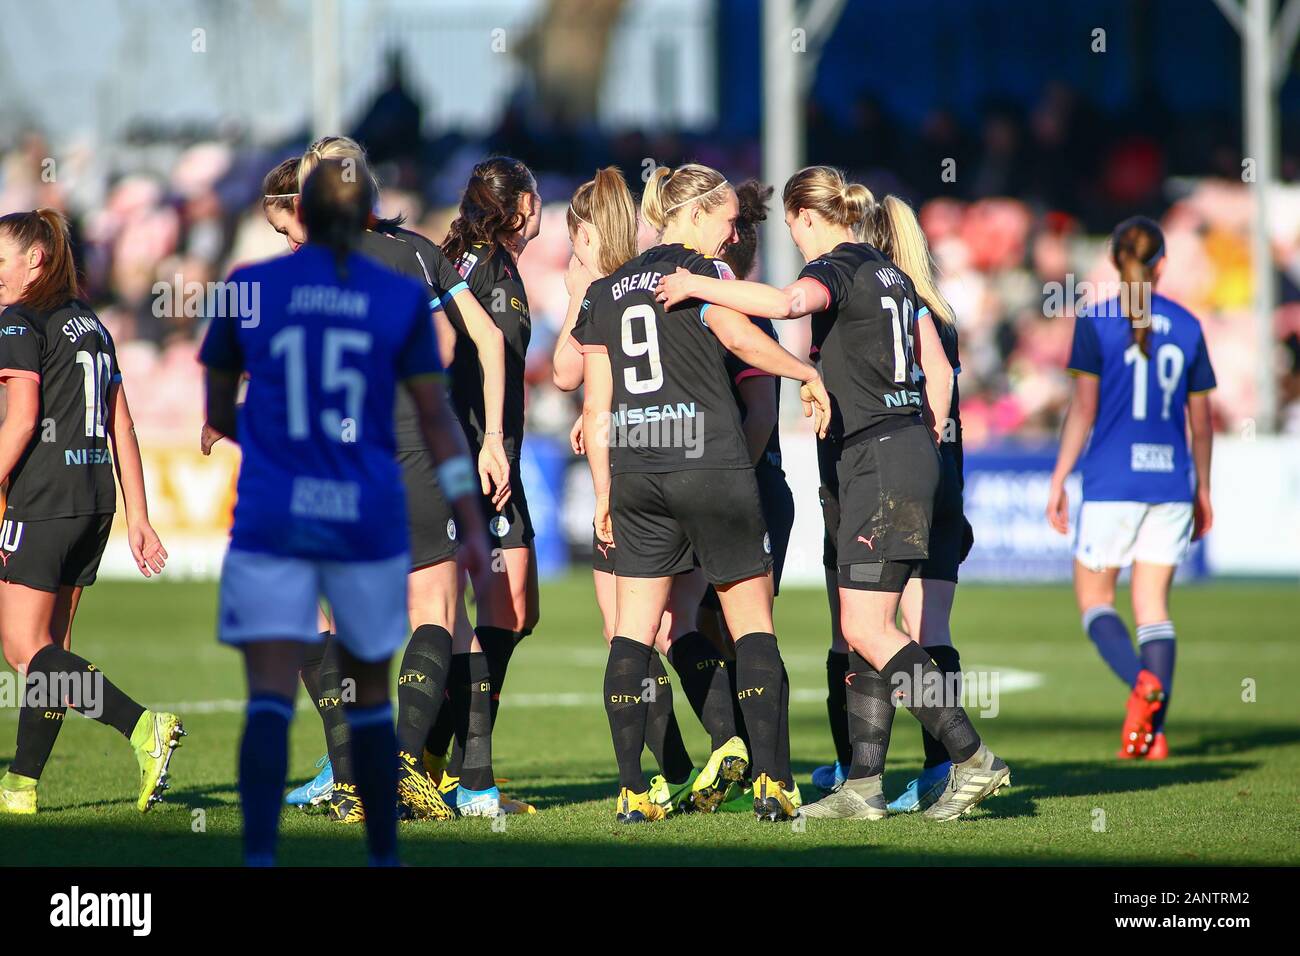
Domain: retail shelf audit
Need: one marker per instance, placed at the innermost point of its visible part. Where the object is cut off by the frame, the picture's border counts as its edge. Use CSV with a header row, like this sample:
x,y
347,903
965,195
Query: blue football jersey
x,y
1139,449
319,477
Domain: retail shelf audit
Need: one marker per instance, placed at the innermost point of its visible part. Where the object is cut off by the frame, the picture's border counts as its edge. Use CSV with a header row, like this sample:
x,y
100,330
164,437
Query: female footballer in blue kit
x,y
1142,383
321,507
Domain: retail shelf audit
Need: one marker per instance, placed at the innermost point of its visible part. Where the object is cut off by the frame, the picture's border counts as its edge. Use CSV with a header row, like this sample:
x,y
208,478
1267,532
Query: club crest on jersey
x,y
767,543
451,529
499,526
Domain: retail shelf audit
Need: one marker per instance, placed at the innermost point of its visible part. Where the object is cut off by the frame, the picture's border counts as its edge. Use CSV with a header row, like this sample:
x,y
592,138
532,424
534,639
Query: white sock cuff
x,y
1100,610
1160,631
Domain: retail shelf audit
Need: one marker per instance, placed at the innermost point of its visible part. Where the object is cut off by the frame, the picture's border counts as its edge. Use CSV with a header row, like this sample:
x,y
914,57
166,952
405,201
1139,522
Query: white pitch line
x,y
1010,681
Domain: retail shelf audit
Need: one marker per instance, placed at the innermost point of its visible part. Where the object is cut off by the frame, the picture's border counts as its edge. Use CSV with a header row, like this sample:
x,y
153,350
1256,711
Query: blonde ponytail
x,y
825,191
605,205
899,236
668,191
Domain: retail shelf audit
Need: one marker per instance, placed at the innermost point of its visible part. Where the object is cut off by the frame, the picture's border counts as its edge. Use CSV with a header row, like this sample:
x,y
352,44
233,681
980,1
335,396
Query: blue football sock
x,y
1110,635
1158,647
374,765
263,766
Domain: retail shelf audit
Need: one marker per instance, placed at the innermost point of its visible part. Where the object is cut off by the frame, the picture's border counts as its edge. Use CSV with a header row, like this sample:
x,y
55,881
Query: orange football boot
x,y
1145,699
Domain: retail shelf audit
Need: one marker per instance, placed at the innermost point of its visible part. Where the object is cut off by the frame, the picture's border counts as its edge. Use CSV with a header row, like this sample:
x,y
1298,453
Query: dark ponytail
x,y
489,209
752,198
1137,244
335,208
57,281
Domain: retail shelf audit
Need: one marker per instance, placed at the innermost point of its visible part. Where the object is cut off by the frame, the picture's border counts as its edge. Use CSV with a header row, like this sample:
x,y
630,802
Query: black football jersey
x,y
399,252
67,469
863,342
493,276
739,371
672,408
948,336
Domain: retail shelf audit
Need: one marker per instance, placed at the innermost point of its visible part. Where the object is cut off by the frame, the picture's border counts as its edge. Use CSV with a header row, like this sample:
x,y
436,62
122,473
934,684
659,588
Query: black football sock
x,y
312,656
626,674
40,718
783,768
474,728
662,735
374,754
338,738
703,674
263,766
457,709
737,715
421,686
948,661
870,718
912,671
837,671
90,693
758,675
497,644
444,725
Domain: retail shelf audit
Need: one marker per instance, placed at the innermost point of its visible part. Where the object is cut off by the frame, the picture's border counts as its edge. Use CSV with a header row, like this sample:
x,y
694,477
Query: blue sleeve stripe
x,y
455,290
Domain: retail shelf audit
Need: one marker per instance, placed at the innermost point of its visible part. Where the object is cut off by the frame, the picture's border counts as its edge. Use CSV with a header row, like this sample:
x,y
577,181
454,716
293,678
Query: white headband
x,y
579,218
695,198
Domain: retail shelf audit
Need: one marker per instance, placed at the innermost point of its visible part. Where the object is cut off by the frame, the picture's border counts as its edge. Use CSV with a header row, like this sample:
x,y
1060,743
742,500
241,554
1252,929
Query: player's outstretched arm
x,y
938,374
1074,435
446,443
22,411
745,340
597,397
146,547
759,299
493,465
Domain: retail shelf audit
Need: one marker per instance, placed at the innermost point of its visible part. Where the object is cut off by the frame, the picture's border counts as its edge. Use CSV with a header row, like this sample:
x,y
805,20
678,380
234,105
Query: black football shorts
x,y
512,526
665,523
950,535
887,487
51,553
778,516
432,523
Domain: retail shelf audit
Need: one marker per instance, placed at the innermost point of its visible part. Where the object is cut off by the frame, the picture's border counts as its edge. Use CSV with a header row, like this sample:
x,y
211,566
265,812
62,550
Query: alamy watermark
x,y
83,692
1120,299
975,690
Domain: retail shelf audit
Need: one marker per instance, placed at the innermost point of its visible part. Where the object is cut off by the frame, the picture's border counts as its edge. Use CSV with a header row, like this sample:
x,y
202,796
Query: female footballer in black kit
x,y
683,486
888,469
434,583
64,403
500,213
602,221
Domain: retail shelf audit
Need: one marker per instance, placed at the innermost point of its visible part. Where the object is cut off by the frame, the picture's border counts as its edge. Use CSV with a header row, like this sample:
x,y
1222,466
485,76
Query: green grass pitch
x,y
1230,794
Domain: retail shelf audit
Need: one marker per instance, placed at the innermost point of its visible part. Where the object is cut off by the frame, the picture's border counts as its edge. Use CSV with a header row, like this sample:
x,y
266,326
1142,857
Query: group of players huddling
x,y
380,436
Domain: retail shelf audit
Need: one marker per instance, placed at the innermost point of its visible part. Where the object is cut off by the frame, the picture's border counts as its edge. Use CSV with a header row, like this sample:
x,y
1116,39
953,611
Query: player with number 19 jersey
x,y
1138,450
324,358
